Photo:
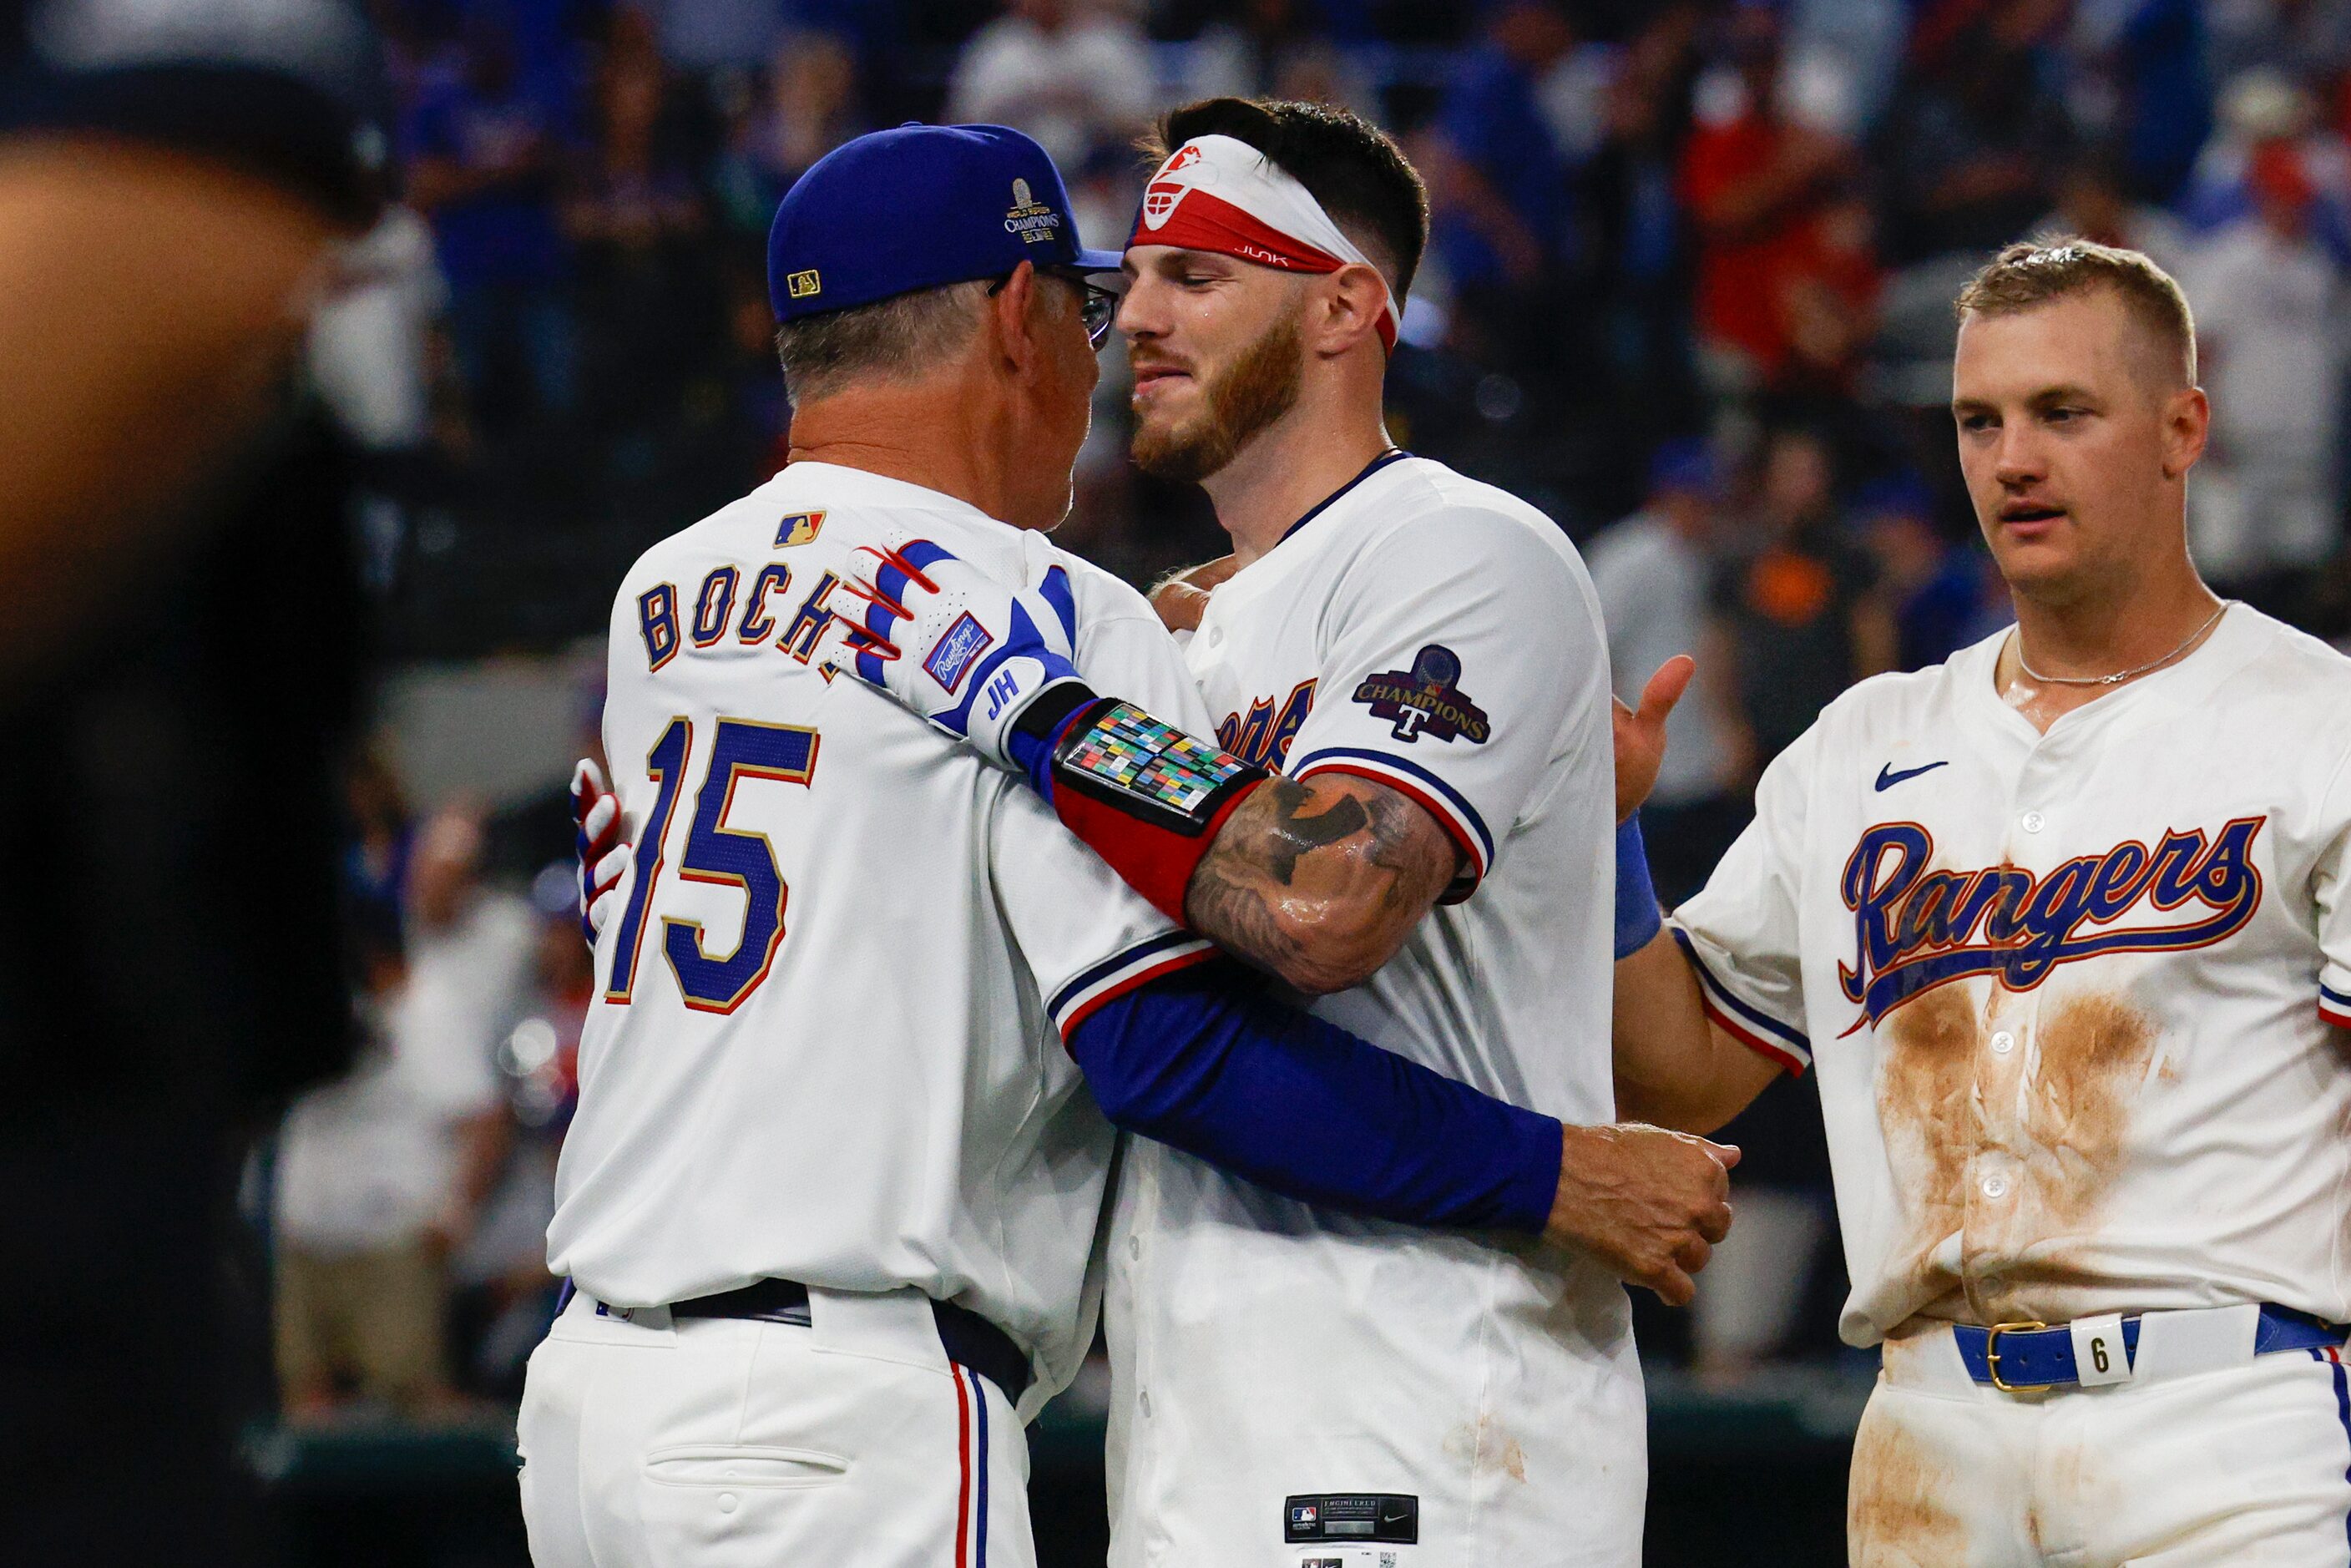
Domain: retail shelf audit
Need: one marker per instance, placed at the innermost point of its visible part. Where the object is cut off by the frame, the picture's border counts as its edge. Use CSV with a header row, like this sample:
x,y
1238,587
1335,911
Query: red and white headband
x,y
1222,195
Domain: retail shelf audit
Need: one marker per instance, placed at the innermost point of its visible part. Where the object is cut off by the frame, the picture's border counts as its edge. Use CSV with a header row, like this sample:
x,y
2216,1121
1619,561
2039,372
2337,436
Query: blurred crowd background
x,y
1689,291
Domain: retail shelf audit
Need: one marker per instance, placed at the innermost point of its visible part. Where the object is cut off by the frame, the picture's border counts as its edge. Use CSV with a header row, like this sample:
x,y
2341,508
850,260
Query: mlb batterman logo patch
x,y
1427,699
803,284
799,528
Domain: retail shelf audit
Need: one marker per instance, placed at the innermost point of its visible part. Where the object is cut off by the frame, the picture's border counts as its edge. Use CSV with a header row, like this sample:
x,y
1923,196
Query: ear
x,y
1012,310
2186,424
1352,299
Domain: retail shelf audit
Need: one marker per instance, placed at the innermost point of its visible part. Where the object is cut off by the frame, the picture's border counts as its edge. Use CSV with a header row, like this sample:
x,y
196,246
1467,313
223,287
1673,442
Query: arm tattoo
x,y
1320,881
1290,835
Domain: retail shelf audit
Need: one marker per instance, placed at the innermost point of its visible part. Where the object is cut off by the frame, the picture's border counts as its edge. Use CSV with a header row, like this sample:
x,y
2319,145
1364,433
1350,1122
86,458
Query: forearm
x,y
1320,881
1674,1067
1307,1110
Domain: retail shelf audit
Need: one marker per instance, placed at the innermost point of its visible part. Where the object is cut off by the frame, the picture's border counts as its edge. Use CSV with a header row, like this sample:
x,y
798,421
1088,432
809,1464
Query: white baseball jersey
x,y
2068,994
1279,1364
825,1046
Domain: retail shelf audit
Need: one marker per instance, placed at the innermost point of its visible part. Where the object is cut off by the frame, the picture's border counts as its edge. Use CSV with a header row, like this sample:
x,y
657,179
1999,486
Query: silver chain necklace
x,y
2117,679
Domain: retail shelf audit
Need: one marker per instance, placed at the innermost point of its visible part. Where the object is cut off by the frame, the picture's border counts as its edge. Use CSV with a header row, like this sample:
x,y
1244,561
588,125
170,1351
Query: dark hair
x,y
2059,267
1349,165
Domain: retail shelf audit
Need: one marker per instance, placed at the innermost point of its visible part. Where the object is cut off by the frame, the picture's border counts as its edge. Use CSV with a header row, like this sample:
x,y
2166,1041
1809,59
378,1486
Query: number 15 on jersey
x,y
715,852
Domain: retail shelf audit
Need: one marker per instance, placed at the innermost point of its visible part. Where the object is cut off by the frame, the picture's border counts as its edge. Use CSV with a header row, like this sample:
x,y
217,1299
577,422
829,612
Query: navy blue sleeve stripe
x,y
1165,942
1761,1019
2332,995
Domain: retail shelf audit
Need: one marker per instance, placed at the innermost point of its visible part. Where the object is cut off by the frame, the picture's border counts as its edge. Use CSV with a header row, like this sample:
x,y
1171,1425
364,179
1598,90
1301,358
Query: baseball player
x,y
832,1198
1421,655
2063,923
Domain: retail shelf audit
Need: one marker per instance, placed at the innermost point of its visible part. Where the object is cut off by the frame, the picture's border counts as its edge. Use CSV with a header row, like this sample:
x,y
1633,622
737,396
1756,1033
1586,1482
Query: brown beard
x,y
1260,388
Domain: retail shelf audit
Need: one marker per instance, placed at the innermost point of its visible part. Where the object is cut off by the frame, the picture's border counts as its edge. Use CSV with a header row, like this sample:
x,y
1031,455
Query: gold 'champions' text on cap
x,y
1031,219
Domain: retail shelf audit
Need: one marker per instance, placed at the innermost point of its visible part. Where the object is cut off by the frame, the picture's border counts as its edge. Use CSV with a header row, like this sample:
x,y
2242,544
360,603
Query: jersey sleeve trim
x,y
2333,1006
1753,1028
1116,975
1447,805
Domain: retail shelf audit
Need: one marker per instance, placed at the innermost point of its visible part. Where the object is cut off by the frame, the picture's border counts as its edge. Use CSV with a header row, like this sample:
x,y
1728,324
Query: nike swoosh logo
x,y
1887,778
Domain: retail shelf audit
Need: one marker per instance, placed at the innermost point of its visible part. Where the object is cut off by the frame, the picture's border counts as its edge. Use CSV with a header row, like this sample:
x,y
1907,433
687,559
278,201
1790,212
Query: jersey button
x,y
1135,1246
2033,821
2003,1043
1144,1399
1995,1186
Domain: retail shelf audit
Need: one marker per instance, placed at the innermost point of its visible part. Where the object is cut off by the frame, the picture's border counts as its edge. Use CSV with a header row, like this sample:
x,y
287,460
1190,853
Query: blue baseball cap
x,y
918,207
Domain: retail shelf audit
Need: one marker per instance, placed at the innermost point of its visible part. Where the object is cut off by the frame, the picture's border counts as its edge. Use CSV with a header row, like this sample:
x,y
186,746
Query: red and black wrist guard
x,y
1143,795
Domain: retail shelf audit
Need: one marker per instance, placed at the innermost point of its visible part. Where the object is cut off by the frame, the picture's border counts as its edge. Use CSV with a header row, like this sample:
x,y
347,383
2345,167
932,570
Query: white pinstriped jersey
x,y
1440,636
2067,994
826,1044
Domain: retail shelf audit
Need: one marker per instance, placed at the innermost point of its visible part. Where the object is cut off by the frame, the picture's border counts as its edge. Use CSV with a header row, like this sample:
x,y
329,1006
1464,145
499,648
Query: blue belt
x,y
2033,1356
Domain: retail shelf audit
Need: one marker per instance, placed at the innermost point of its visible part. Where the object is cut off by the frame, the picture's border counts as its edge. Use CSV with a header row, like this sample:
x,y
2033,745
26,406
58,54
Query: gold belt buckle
x,y
1992,1357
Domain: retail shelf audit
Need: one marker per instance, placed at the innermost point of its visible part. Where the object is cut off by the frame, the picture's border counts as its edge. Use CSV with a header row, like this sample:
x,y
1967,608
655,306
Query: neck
x,y
2101,634
1293,464
929,433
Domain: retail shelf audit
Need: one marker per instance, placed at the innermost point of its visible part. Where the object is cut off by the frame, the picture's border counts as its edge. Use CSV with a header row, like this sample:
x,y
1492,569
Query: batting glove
x,y
603,857
952,644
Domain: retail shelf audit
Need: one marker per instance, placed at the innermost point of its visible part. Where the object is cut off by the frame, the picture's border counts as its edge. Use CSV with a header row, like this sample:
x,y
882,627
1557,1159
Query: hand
x,y
602,856
1649,1204
1641,737
1182,597
949,642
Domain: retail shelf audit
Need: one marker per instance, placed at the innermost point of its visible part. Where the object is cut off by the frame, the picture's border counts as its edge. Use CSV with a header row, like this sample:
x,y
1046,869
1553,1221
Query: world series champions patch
x,y
1427,699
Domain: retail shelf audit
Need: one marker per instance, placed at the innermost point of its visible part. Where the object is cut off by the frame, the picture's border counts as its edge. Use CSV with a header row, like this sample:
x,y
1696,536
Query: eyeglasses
x,y
1097,306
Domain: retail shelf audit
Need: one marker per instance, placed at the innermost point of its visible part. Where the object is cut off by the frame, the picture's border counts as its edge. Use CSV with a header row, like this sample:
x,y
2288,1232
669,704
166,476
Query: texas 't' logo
x,y
1427,699
1917,928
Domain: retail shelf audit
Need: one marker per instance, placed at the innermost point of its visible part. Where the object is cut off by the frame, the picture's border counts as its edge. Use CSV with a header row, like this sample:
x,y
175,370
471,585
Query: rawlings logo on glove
x,y
949,642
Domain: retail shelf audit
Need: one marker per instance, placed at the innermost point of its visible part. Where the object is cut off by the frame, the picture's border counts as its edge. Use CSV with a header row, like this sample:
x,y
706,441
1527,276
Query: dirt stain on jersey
x,y
1926,1106
2093,1055
2093,1061
1487,1445
2059,1109
1893,1518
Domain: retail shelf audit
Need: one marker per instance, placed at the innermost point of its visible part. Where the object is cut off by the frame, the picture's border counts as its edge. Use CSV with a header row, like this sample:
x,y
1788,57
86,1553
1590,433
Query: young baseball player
x,y
1421,657
831,1198
2063,924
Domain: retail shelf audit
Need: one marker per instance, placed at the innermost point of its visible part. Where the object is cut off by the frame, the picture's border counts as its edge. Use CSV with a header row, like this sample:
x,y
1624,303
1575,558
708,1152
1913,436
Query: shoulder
x,y
2293,683
1433,514
1902,702
682,551
1101,594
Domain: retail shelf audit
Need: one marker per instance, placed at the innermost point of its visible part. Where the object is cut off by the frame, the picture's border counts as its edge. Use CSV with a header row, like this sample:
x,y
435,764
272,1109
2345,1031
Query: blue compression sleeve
x,y
1638,920
1200,1061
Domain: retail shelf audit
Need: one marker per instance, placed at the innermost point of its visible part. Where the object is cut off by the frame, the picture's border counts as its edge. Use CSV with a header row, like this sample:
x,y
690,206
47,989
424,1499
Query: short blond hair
x,y
2034,272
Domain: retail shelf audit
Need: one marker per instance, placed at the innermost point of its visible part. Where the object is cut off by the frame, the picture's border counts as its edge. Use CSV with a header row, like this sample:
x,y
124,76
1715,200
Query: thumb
x,y
1665,688
1725,1154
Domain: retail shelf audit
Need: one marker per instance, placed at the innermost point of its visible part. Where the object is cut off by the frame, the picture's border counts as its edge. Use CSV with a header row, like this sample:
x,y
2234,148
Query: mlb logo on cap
x,y
919,207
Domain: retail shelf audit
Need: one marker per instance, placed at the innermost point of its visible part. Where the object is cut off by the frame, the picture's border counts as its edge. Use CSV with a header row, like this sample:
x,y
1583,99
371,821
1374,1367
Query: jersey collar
x,y
837,482
1392,454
